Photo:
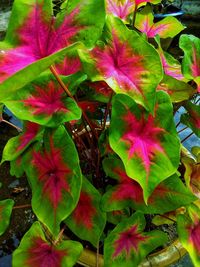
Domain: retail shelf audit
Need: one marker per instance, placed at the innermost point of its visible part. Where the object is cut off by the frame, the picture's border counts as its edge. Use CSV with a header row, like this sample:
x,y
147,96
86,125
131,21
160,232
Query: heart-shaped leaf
x,y
37,39
34,250
127,63
123,8
192,117
87,221
127,245
165,28
5,213
189,232
176,89
55,177
148,145
171,66
168,195
191,61
43,102
16,145
192,170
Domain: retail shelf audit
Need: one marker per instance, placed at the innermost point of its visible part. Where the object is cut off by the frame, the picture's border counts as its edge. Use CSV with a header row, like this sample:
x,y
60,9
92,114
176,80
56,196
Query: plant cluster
x,y
97,95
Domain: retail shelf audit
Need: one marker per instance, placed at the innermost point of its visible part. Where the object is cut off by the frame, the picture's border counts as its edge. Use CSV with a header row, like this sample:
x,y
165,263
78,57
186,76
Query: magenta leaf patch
x,y
5,214
128,193
120,9
167,27
69,66
35,251
189,232
124,244
36,39
39,36
55,178
44,104
16,145
124,8
129,240
146,143
87,220
191,61
123,65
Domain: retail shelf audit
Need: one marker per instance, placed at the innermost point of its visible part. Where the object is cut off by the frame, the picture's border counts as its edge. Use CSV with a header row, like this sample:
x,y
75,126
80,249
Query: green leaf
x,y
35,250
87,221
138,69
192,117
167,196
127,245
5,214
176,89
17,145
148,145
55,177
192,170
191,61
44,102
90,17
189,232
168,27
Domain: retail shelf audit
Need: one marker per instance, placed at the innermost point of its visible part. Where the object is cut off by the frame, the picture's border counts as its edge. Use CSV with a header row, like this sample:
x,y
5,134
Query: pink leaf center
x,y
47,100
52,174
41,254
85,211
127,241
142,136
39,37
121,8
194,233
127,188
118,61
30,133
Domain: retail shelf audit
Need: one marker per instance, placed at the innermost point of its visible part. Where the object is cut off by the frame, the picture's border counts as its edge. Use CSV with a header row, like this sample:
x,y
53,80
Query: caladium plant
x,y
97,95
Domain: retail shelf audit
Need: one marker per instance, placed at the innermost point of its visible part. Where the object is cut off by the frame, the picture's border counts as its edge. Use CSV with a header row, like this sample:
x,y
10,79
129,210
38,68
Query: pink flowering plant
x,y
97,94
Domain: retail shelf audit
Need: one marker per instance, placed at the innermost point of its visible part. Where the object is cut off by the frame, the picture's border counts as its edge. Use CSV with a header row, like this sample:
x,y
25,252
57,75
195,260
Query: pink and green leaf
x,y
168,195
147,145
192,170
99,91
15,146
189,233
5,214
124,8
191,61
36,39
87,221
43,102
192,117
178,90
127,245
171,66
55,178
168,27
89,18
35,251
127,63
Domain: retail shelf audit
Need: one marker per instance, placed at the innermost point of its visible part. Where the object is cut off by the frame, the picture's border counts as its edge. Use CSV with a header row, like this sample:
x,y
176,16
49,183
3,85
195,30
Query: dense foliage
x,y
97,93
